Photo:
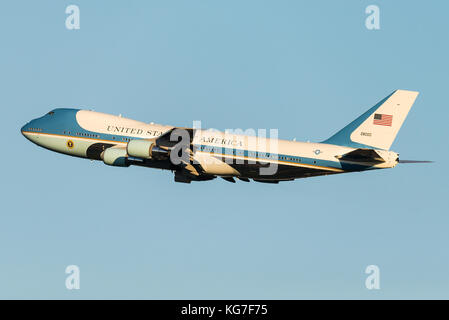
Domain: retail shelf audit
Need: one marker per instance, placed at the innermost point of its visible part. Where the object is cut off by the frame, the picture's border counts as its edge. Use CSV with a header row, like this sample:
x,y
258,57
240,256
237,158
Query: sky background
x,y
307,68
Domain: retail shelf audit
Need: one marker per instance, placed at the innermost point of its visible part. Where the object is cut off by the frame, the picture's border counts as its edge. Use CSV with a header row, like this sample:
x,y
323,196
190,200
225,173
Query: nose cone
x,y
23,129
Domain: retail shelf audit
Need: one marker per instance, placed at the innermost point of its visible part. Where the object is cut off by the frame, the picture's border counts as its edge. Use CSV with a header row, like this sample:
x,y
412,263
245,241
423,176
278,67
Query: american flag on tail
x,y
383,119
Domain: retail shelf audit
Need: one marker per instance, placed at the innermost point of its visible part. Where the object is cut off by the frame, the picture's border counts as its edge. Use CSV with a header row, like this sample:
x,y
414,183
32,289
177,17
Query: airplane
x,y
199,155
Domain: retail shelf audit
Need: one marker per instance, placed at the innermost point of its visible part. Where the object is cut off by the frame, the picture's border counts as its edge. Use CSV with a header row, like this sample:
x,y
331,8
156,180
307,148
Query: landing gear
x,y
179,177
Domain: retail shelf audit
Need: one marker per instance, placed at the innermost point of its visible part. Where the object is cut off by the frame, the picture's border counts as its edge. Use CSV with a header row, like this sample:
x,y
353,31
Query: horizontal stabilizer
x,y
362,155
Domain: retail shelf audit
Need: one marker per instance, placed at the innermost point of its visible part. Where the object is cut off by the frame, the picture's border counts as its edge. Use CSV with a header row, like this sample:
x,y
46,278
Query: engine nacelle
x,y
146,149
139,148
116,157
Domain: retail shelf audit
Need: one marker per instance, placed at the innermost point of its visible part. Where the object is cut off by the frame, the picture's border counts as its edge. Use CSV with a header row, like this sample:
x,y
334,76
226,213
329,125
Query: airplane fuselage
x,y
88,134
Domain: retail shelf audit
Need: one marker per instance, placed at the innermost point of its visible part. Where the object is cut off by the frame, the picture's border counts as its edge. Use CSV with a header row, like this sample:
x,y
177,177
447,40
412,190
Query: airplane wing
x,y
170,140
167,140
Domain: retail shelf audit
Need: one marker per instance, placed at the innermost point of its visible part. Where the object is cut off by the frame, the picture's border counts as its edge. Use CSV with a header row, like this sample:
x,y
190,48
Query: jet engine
x,y
116,157
146,149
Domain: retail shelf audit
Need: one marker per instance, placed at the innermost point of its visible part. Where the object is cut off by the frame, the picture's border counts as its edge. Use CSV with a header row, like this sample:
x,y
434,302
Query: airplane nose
x,y
23,129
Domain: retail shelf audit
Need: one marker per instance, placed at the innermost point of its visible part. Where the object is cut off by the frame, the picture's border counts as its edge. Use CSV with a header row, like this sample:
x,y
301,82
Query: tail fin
x,y
377,128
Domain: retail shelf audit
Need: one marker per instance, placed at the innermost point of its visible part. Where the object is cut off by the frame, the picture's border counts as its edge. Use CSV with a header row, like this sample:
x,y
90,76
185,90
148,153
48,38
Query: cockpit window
x,y
51,113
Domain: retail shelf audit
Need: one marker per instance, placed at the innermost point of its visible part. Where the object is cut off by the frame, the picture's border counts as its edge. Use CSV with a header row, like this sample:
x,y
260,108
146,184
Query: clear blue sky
x,y
305,67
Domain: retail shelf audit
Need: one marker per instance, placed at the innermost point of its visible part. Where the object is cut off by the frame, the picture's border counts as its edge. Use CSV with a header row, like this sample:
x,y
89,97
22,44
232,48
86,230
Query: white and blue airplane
x,y
198,155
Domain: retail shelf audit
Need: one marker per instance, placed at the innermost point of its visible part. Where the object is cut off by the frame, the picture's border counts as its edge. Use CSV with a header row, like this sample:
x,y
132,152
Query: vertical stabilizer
x,y
377,128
